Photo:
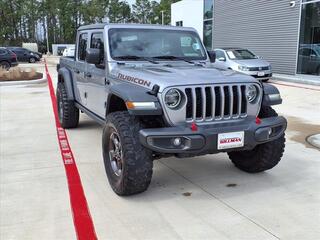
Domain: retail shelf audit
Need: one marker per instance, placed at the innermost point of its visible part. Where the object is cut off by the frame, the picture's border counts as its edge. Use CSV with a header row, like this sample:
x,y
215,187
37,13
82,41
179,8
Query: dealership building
x,y
284,32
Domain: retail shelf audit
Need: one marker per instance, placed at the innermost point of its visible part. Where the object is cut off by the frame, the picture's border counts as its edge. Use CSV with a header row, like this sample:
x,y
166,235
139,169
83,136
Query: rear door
x,y
80,67
95,75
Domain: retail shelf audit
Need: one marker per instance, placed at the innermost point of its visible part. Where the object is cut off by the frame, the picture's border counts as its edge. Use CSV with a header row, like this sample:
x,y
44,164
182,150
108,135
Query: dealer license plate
x,y
261,74
230,140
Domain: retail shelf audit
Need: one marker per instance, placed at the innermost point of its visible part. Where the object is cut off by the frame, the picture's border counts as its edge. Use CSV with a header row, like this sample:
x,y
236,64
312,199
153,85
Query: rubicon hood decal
x,y
134,80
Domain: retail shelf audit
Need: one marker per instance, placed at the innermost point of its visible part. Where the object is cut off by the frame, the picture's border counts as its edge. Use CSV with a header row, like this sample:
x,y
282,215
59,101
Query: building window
x,y
309,42
207,34
179,23
208,9
208,24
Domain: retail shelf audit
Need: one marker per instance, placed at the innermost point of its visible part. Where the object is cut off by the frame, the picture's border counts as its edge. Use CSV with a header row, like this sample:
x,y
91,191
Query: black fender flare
x,y
132,93
271,95
65,77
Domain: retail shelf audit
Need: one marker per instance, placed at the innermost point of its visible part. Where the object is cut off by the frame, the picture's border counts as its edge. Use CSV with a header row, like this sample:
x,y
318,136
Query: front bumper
x,y
205,139
267,74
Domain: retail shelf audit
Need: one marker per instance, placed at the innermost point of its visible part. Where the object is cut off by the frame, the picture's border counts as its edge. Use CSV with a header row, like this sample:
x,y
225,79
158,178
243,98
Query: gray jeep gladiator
x,y
156,93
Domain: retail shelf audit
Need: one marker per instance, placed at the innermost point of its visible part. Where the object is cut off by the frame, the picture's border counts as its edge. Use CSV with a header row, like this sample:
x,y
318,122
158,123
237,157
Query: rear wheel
x,y
128,164
264,156
5,65
32,60
67,111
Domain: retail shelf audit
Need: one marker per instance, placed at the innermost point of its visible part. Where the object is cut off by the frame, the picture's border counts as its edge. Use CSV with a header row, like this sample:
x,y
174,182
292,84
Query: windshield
x,y
240,54
160,44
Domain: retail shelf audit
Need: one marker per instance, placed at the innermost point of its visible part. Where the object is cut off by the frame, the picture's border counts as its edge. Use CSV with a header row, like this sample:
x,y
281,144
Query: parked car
x,y
25,55
164,100
7,58
244,61
309,59
69,52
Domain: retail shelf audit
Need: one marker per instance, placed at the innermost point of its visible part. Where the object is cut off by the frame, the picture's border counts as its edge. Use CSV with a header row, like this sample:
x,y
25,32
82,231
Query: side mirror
x,y
93,55
212,56
222,59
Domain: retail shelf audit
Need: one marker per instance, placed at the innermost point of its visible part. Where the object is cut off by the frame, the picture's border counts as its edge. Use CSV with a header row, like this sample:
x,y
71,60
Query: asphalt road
x,y
194,198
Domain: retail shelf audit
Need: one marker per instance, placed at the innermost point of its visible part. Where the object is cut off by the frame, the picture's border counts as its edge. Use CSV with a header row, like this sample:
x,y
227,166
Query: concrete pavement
x,y
195,198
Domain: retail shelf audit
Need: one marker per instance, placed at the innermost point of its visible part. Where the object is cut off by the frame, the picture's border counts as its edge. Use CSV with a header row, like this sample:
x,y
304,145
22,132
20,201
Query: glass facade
x,y
208,23
309,42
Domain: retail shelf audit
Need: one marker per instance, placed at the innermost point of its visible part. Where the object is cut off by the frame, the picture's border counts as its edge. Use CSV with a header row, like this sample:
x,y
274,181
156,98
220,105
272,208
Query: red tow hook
x,y
258,121
194,127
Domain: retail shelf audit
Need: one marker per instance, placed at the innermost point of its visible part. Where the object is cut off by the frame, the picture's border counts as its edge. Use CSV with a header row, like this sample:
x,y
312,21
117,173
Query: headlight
x,y
251,93
172,98
31,53
243,68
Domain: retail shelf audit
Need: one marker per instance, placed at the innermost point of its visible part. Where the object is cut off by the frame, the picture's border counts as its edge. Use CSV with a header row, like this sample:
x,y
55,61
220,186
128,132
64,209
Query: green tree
x,y
143,11
119,11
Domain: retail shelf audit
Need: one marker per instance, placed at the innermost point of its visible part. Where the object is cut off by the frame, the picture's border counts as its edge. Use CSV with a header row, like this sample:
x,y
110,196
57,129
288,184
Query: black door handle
x,y
77,71
88,75
106,81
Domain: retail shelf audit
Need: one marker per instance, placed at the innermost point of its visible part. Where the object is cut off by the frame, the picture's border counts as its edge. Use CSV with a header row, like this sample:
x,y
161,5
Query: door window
x,y
82,47
98,43
220,54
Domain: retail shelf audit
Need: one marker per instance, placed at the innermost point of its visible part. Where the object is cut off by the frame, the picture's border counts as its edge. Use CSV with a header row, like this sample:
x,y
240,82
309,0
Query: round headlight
x,y
172,98
251,93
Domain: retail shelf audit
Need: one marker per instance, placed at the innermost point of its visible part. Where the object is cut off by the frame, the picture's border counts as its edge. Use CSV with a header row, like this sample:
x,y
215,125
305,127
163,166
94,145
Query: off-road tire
x,y
67,111
6,65
264,156
136,160
32,60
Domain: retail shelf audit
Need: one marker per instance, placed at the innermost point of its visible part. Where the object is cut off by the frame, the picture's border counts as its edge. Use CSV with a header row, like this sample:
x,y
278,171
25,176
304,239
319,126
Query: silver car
x,y
244,61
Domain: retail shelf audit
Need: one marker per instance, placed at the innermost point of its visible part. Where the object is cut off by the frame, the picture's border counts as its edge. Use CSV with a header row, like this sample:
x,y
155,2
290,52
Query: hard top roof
x,y
132,25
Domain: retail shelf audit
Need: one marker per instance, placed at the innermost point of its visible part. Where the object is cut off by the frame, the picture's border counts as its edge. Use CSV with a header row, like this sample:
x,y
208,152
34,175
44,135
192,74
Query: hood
x,y
182,75
257,62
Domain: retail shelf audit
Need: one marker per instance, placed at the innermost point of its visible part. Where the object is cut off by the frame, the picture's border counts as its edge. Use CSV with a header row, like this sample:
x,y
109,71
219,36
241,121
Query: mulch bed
x,y
19,75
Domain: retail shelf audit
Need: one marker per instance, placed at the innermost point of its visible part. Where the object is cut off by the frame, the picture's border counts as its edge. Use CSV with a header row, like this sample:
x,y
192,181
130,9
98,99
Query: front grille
x,y
258,68
207,103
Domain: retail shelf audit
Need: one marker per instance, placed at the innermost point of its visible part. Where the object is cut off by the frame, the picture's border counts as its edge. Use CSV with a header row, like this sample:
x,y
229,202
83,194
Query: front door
x,y
96,78
80,68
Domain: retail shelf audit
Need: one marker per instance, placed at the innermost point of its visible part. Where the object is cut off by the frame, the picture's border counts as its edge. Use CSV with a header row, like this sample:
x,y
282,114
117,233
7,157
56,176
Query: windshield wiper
x,y
133,57
171,57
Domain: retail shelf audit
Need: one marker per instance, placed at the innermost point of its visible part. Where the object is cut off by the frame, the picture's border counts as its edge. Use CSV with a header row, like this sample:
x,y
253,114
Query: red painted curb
x,y
81,215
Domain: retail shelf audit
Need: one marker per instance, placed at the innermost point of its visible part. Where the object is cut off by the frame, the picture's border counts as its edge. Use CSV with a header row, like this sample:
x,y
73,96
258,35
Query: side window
x,y
82,46
98,43
305,52
2,52
220,54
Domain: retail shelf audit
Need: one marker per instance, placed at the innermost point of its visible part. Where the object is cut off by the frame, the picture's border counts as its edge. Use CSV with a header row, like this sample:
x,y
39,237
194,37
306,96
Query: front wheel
x,y
264,156
128,164
67,111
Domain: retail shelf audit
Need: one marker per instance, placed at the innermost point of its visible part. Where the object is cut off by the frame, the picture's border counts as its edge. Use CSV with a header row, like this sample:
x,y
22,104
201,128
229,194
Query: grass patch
x,y
17,74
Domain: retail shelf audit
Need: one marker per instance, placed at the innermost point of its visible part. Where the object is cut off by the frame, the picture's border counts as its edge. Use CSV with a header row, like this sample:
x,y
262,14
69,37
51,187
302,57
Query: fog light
x,y
270,131
177,141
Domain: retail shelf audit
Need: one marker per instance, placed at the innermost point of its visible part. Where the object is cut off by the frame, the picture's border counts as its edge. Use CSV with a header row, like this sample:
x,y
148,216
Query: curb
x,y
314,140
23,82
295,79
